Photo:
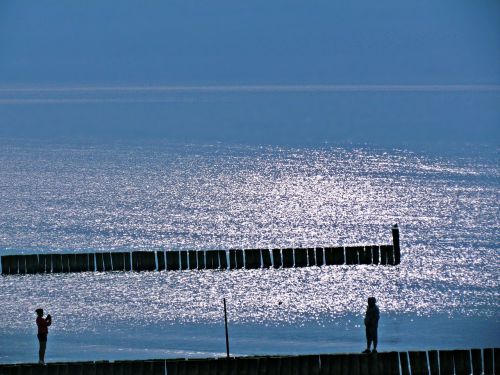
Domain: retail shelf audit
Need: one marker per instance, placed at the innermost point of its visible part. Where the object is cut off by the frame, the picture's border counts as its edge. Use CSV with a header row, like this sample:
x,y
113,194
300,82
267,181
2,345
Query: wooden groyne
x,y
198,259
203,259
432,362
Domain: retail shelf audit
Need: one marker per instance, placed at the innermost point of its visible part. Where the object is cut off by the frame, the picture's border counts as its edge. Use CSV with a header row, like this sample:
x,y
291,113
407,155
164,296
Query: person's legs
x,y
368,341
375,340
41,352
42,340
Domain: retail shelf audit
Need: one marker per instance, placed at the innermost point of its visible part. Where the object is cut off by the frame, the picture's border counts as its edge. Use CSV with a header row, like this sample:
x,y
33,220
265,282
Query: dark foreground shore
x,y
464,361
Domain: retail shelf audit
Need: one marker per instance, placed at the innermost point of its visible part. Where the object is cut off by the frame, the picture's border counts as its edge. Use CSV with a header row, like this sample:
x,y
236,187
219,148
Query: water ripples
x,y
89,197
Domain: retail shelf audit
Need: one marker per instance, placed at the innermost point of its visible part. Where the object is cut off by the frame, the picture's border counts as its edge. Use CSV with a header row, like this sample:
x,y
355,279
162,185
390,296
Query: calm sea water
x,y
85,196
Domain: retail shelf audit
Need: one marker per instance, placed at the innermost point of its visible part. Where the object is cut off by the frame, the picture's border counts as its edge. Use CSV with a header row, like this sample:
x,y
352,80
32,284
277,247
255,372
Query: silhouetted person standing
x,y
43,331
371,323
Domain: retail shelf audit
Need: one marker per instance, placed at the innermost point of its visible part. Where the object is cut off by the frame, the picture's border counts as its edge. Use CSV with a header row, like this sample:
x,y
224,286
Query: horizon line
x,y
258,88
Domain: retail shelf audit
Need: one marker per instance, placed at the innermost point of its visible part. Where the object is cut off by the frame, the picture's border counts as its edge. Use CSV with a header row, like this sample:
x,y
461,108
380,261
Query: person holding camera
x,y
43,330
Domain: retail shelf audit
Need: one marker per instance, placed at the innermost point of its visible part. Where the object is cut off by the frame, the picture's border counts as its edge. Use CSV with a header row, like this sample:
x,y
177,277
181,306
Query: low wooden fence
x,y
203,259
198,259
432,362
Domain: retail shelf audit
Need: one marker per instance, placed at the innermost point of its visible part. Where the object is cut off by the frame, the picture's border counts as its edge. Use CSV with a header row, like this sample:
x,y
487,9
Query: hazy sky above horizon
x,y
315,71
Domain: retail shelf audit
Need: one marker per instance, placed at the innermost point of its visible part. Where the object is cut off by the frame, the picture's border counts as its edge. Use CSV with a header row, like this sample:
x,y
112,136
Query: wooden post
x,y
300,257
135,261
137,367
287,258
192,367
354,365
223,259
31,264
277,258
433,362
118,260
477,362
496,353
66,262
286,365
461,358
351,255
252,258
360,254
326,364
329,256
418,363
232,259
222,367
375,254
193,260
383,254
225,325
91,258
488,361
82,262
373,367
239,259
56,263
264,367
319,256
127,261
44,264
311,257
76,368
172,260
158,367
266,258
106,257
184,259
309,364
22,263
395,242
446,362
99,262
200,262
211,259
338,255
393,363
160,256
367,256
390,254
119,367
145,261
385,363
14,264
173,367
73,265
403,360
363,364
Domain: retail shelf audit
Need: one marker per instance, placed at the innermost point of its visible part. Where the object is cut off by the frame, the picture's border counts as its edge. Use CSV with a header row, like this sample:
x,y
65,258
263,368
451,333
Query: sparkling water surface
x,y
86,196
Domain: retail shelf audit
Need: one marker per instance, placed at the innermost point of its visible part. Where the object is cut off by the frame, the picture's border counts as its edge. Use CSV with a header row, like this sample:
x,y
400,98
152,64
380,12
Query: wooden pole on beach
x,y
395,244
225,323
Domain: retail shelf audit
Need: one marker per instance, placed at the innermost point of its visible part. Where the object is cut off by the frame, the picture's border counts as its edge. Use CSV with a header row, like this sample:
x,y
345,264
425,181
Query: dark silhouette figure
x,y
43,331
371,323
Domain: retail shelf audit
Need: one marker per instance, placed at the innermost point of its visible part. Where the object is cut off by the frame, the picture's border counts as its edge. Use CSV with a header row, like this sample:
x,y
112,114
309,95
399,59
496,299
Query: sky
x,y
259,71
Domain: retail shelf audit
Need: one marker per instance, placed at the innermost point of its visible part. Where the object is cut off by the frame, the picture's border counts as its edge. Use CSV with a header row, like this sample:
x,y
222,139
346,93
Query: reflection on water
x,y
275,297
169,196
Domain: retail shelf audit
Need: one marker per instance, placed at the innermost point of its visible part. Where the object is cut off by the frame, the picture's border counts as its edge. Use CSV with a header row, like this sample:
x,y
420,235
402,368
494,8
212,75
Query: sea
x,y
90,195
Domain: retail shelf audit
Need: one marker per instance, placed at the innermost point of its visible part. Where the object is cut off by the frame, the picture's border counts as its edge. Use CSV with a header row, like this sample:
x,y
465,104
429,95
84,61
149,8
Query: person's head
x,y
371,301
39,312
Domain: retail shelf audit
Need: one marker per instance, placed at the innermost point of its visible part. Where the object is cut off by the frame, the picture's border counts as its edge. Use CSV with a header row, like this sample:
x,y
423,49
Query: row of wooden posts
x,y
433,362
199,259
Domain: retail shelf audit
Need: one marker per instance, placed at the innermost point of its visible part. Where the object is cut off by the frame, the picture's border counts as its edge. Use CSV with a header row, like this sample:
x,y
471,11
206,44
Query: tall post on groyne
x,y
395,243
